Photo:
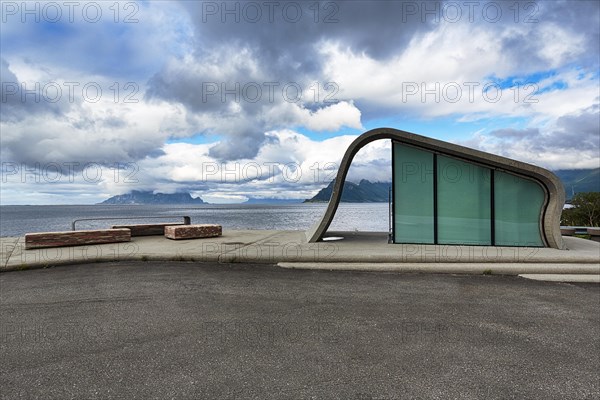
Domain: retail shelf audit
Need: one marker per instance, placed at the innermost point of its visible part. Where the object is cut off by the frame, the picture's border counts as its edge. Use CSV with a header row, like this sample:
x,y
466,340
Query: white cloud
x,y
569,142
558,45
102,132
435,77
328,118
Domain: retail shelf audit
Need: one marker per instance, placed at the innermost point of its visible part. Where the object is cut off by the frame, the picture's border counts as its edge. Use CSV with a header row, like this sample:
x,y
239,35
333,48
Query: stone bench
x,y
594,234
147,229
567,231
76,238
193,231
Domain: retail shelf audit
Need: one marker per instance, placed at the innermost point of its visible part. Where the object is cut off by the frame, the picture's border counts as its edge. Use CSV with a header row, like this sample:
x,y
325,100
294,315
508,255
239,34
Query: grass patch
x,y
588,237
487,272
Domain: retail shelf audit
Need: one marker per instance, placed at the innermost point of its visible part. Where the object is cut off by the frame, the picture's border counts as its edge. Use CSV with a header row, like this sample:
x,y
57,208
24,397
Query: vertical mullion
x,y
393,191
435,200
492,209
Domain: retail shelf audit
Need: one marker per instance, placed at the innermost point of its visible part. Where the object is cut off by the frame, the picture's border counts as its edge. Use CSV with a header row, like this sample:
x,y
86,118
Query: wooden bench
x,y
147,229
193,231
76,238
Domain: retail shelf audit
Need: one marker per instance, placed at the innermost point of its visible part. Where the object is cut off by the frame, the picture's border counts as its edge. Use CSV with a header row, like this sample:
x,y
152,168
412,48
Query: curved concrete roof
x,y
555,193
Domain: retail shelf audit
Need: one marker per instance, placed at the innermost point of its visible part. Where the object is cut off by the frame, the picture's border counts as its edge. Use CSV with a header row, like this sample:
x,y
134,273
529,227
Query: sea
x,y
17,220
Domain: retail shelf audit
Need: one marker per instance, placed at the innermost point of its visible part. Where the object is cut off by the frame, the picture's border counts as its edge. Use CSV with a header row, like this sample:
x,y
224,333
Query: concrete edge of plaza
x,y
357,251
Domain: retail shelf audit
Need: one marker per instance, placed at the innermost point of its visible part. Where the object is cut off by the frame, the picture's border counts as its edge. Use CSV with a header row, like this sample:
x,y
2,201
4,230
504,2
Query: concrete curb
x,y
455,268
563,278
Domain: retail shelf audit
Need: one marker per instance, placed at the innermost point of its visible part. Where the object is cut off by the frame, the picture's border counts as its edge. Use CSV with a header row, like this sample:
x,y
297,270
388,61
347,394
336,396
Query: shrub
x,y
586,210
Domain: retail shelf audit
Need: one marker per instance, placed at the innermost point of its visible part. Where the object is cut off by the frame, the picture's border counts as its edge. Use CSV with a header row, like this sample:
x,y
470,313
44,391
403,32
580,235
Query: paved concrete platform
x,y
177,330
357,251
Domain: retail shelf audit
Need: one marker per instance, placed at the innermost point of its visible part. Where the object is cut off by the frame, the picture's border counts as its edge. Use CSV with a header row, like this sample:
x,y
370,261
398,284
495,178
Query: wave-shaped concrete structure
x,y
549,187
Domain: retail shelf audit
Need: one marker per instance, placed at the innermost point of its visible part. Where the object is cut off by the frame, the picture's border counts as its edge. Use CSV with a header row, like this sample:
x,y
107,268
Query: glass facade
x,y
518,209
443,200
464,202
413,195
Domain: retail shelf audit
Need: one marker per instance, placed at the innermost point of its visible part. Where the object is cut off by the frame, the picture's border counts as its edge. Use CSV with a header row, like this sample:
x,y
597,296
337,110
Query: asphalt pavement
x,y
164,329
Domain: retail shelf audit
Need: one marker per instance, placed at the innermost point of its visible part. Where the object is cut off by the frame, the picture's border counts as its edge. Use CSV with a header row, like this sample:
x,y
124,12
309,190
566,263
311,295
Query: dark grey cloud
x,y
21,100
378,28
279,52
588,122
43,126
382,29
581,18
244,145
510,133
37,147
38,131
573,133
580,132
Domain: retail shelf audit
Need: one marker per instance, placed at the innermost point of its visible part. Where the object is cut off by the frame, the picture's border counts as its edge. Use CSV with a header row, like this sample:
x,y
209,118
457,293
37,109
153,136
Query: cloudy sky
x,y
231,100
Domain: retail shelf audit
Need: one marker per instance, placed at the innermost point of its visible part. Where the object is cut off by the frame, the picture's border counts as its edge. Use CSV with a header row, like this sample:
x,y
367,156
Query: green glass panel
x,y
518,206
464,197
413,195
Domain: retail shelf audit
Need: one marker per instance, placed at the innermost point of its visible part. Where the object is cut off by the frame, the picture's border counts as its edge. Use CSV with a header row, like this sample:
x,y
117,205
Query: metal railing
x,y
186,220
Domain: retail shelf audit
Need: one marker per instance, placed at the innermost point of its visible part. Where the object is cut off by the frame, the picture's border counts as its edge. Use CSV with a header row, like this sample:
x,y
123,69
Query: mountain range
x,y
579,180
253,200
142,197
363,192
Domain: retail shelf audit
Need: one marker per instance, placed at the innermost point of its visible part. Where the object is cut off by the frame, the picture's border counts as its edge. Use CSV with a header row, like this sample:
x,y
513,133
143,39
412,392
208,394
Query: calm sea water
x,y
18,220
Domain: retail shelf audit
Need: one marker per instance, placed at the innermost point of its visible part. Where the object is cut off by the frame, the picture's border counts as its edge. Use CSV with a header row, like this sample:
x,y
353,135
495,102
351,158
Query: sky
x,y
237,100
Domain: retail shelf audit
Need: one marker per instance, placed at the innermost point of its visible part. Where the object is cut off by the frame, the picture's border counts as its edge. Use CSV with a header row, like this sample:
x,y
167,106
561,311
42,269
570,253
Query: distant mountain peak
x,y
271,200
579,180
148,197
363,192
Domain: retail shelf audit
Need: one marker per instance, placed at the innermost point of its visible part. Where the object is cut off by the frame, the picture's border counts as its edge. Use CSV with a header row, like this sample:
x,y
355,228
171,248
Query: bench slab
x,y
594,234
193,231
147,229
76,238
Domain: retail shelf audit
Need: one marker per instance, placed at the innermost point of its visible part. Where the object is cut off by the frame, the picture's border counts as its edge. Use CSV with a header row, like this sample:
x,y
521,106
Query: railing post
x,y
186,219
